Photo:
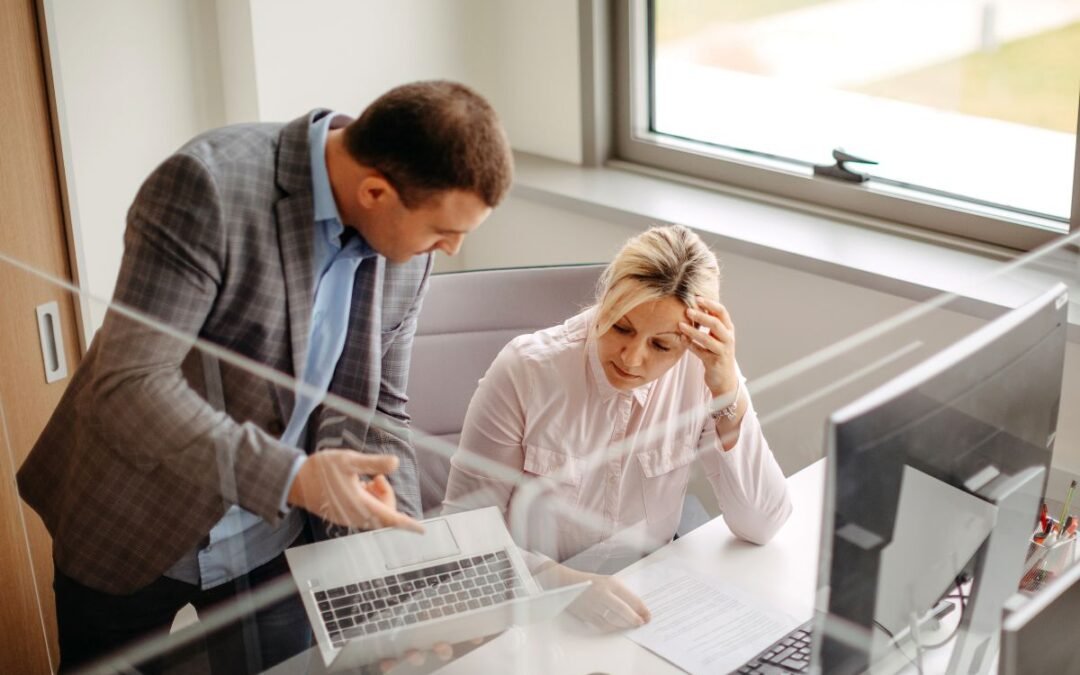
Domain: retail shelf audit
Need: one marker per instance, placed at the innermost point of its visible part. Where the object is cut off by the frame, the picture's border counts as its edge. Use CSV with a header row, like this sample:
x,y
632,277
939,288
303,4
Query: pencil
x,y
1068,500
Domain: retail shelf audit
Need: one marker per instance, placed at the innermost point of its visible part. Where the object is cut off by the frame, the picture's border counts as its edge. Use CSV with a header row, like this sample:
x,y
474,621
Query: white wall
x,y
343,53
527,60
136,79
236,47
522,55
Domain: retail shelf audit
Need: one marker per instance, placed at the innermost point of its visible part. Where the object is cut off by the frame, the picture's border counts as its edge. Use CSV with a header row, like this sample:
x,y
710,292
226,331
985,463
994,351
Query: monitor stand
x,y
999,566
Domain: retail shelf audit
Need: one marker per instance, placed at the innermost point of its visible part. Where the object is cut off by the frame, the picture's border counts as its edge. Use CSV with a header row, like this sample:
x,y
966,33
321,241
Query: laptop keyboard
x,y
789,654
403,599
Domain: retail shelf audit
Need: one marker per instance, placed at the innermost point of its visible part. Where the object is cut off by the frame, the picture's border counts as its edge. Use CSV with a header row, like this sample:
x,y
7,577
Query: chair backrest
x,y
466,319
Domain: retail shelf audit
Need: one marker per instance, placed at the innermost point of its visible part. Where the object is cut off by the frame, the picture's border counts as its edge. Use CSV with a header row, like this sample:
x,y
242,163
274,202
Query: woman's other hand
x,y
607,603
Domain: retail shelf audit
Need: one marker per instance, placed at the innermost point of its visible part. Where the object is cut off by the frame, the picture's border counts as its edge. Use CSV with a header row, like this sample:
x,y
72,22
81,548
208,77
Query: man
x,y
167,476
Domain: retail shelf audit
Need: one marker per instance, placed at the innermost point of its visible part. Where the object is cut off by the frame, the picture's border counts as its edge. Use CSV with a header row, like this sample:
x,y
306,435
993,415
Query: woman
x,y
608,410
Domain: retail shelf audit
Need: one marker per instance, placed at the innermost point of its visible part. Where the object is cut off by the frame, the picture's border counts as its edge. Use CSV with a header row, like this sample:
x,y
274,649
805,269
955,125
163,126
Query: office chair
x,y
466,319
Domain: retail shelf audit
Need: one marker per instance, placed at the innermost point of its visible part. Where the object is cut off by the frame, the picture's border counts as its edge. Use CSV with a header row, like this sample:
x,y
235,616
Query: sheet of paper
x,y
702,625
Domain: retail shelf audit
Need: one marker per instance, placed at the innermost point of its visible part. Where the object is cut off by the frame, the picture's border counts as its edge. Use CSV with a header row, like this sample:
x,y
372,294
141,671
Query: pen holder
x,y
1045,562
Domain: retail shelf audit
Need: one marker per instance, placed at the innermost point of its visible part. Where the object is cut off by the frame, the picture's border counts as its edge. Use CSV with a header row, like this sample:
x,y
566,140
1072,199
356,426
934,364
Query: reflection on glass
x,y
519,537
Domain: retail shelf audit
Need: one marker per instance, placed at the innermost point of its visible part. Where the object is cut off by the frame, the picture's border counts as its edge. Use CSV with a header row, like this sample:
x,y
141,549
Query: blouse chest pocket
x,y
665,473
559,473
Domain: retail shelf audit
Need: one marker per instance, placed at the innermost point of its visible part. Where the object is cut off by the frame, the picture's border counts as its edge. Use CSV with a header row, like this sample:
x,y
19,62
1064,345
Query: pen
x,y
1068,500
1044,513
1049,527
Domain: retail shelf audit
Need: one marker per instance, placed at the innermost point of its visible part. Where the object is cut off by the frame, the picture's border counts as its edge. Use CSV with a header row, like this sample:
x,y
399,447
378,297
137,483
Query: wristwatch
x,y
729,411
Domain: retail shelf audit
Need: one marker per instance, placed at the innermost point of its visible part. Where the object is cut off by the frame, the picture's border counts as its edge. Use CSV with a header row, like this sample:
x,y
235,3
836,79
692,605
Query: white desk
x,y
782,573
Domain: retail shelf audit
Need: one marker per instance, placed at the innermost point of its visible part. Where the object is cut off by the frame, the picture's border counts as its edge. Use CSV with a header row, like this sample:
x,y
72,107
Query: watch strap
x,y
727,411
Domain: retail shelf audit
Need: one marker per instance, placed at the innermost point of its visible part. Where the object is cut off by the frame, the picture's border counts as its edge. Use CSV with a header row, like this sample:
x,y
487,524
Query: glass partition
x,y
570,517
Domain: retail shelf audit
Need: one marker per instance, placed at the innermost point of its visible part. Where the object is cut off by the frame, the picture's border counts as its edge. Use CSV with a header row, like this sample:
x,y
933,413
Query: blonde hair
x,y
669,261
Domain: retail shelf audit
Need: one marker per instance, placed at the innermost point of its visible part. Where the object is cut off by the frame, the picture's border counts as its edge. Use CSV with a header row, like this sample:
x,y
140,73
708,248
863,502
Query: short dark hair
x,y
427,137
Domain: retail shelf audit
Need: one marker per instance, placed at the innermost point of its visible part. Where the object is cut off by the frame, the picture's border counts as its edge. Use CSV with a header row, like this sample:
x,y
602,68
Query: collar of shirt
x,y
330,230
599,377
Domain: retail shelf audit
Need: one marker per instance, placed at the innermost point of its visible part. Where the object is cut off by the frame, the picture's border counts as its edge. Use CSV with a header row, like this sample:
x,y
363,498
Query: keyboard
x,y
396,600
789,654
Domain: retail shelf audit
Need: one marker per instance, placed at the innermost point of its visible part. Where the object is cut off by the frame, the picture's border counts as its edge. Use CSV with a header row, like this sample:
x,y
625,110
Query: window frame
x,y
634,144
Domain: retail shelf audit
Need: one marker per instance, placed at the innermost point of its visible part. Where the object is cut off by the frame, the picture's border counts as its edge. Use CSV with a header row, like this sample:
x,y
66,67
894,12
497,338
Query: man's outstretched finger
x,y
386,516
380,487
404,522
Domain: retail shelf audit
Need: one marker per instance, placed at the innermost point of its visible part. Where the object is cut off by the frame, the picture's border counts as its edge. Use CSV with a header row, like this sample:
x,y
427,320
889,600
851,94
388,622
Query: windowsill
x,y
882,256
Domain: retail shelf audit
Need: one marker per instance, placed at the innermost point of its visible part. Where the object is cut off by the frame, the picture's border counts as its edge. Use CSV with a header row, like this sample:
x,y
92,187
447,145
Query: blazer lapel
x,y
295,230
297,261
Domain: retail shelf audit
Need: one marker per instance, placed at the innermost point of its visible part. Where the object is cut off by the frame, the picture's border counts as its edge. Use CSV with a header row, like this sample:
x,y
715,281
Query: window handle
x,y
840,170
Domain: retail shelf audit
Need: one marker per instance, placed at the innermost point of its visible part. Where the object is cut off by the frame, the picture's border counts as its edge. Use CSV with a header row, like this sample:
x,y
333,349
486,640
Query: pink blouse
x,y
580,468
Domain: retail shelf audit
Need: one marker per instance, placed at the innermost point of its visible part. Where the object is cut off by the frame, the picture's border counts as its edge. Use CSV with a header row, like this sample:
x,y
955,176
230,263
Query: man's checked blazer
x,y
135,466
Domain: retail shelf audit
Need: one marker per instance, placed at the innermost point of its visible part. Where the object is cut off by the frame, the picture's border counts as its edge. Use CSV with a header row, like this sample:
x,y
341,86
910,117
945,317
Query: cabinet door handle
x,y
52,341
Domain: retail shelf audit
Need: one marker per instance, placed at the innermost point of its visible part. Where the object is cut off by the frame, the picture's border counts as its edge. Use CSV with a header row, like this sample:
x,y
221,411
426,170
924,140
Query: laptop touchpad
x,y
401,548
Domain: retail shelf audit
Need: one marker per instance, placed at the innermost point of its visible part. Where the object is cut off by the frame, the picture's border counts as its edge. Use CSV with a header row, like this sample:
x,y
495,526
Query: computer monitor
x,y
1040,636
936,473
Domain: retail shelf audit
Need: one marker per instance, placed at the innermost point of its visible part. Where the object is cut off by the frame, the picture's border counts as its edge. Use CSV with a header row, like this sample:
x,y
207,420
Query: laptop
x,y
373,595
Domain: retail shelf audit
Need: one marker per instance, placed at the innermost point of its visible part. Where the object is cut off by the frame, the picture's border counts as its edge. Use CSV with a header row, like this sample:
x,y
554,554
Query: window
x,y
969,107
